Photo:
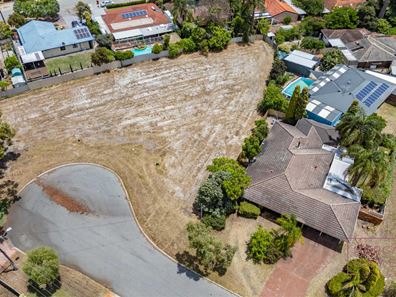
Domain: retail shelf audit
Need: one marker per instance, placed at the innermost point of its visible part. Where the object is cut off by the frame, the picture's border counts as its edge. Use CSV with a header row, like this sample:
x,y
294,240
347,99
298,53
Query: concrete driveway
x,y
82,211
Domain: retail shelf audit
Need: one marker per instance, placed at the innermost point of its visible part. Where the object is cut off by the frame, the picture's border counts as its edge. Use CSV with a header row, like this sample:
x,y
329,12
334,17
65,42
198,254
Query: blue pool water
x,y
303,82
139,52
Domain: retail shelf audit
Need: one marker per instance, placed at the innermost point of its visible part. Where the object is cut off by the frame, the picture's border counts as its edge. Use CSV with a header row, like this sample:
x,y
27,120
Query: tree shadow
x,y
188,260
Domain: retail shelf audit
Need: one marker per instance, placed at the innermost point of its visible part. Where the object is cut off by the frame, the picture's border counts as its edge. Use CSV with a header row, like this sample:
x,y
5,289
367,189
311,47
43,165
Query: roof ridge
x,y
267,179
341,225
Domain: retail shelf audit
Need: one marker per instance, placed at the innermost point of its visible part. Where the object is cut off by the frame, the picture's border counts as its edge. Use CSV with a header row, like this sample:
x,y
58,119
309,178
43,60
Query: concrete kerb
x,y
133,215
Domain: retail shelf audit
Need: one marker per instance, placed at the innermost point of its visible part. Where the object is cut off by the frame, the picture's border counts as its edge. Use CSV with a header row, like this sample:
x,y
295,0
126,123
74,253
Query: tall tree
x,y
301,105
291,109
342,18
180,10
370,166
244,11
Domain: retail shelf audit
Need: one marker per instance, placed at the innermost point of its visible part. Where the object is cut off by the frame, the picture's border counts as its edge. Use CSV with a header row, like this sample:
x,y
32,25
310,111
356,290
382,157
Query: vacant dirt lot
x,y
157,125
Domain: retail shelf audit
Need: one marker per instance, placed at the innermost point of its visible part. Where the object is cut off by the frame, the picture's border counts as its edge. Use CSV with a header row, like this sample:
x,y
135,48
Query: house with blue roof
x,y
40,36
334,91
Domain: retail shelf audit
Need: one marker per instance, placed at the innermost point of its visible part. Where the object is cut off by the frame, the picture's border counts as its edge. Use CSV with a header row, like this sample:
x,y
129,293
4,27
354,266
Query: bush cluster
x,y
312,43
123,55
283,35
251,145
359,277
214,221
248,210
273,99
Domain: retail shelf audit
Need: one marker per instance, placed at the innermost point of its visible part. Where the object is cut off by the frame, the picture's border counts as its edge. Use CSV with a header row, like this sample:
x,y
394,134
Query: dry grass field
x,y
157,124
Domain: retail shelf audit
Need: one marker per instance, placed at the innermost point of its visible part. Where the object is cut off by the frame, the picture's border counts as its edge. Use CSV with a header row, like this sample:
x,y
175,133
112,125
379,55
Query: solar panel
x,y
376,94
132,14
366,90
82,33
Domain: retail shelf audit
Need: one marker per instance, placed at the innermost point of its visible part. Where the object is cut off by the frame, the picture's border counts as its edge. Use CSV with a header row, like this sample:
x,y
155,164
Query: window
x,y
75,45
63,48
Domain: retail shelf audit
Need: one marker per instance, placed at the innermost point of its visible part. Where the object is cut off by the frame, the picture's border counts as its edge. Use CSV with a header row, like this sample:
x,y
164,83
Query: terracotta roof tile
x,y
275,7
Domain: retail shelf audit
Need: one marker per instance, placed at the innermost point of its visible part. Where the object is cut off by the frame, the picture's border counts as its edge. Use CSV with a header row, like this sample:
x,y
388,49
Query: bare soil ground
x,y
382,236
158,125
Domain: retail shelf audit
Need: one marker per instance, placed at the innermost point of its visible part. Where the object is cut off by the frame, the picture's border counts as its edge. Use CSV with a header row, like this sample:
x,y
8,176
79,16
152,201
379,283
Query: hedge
x,y
216,222
117,5
248,210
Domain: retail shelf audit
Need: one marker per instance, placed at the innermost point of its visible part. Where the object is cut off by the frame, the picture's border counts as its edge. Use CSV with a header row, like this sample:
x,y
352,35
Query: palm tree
x,y
357,128
180,9
290,228
369,167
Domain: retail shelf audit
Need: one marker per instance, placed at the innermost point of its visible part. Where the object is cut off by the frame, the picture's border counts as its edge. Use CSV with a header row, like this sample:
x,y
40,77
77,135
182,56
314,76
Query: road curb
x,y
133,215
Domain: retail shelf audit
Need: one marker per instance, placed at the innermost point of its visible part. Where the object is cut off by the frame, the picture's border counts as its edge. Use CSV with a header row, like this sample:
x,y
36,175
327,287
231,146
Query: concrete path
x,y
82,212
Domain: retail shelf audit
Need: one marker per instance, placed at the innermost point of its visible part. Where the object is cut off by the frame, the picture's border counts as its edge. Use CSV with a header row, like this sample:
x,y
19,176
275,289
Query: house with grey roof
x,y
297,173
43,38
301,63
361,48
333,92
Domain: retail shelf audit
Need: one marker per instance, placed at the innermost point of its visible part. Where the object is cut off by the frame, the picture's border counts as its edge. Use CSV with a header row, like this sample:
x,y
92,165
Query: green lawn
x,y
64,62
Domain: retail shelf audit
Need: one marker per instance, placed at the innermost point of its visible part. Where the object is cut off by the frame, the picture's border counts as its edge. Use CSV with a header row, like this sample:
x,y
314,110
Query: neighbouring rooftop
x,y
36,36
289,176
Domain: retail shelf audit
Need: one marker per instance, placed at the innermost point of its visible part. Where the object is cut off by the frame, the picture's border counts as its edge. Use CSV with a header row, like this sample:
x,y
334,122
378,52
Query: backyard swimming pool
x,y
139,52
303,82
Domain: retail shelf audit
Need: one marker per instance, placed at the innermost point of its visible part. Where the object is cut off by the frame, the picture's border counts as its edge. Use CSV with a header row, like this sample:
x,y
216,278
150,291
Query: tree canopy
x,y
5,31
42,265
211,253
342,18
37,9
16,20
239,180
330,59
312,7
82,8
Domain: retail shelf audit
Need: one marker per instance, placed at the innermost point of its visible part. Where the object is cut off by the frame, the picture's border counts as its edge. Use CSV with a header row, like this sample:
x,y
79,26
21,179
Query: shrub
x,y
264,246
123,55
278,69
187,29
284,48
16,20
287,20
188,45
251,147
124,4
157,48
11,63
216,222
360,277
42,265
105,40
311,26
248,210
101,56
5,30
174,50
312,43
261,130
3,85
166,40
198,34
220,38
273,99
283,35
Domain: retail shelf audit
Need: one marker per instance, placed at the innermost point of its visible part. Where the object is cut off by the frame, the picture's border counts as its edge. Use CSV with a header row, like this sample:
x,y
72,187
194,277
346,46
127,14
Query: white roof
x,y
301,58
127,34
32,57
336,42
348,55
388,78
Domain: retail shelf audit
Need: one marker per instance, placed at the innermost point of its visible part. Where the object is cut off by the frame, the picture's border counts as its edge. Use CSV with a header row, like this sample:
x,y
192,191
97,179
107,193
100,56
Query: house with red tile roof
x,y
130,25
280,9
330,4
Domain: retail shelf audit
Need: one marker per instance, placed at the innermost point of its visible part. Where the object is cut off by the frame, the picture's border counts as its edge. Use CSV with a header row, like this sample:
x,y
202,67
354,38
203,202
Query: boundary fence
x,y
54,80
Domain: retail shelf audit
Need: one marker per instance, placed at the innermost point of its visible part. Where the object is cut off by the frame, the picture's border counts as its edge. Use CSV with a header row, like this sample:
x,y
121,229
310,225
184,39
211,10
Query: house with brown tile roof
x,y
295,173
330,4
361,48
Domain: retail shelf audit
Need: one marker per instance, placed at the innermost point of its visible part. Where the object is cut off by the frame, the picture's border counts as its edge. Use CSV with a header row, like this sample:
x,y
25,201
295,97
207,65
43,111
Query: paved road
x,y
104,242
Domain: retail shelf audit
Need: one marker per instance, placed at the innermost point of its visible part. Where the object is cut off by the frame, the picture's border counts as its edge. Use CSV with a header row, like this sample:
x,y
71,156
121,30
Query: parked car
x,y
106,2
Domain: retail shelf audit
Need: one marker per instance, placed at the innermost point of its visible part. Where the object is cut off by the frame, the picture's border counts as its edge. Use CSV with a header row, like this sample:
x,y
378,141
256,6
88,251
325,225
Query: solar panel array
x,y
376,94
82,33
366,90
133,14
